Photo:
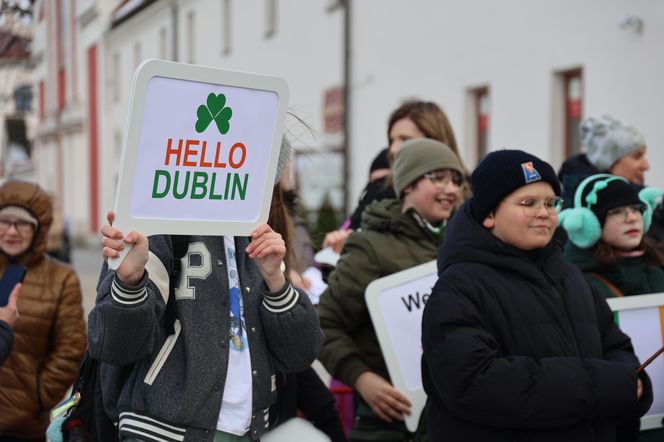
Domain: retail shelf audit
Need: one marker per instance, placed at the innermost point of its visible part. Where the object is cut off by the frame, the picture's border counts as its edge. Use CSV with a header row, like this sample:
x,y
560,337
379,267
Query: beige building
x,y
17,120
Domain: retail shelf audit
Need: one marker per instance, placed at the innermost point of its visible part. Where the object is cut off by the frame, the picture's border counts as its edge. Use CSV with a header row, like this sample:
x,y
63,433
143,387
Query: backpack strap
x,y
615,290
180,245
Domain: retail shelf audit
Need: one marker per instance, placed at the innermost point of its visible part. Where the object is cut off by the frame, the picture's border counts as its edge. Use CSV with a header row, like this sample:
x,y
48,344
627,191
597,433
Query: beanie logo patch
x,y
530,173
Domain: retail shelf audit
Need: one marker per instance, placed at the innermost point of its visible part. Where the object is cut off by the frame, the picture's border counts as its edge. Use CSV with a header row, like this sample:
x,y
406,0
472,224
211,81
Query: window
x,y
191,43
23,98
226,31
163,44
60,36
62,92
478,110
482,105
573,102
61,23
270,18
42,102
115,79
138,57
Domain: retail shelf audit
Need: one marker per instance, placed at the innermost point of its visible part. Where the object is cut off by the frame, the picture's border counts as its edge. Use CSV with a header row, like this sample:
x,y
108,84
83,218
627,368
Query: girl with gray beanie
x,y
610,146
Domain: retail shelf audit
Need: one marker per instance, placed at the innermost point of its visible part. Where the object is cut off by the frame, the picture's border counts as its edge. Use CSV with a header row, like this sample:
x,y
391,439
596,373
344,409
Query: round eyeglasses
x,y
22,227
622,213
442,179
531,206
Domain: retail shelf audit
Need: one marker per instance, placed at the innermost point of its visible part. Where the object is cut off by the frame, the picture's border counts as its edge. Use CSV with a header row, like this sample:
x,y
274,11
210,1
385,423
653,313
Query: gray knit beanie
x,y
607,139
284,158
417,157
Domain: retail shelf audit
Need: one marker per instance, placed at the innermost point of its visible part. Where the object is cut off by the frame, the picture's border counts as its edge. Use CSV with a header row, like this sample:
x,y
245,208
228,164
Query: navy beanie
x,y
502,172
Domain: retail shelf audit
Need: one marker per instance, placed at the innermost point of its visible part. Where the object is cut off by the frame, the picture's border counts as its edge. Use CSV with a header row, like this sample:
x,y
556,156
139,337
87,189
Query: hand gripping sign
x,y
395,304
201,151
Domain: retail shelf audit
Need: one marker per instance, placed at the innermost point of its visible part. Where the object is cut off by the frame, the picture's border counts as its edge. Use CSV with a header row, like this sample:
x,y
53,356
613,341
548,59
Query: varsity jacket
x,y
175,388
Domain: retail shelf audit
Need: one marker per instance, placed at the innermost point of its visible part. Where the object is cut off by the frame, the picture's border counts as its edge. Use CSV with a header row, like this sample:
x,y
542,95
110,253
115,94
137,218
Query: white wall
x,y
436,50
429,49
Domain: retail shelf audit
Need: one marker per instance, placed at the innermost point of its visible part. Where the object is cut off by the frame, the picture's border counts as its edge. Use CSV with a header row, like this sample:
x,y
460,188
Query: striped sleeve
x,y
129,295
282,300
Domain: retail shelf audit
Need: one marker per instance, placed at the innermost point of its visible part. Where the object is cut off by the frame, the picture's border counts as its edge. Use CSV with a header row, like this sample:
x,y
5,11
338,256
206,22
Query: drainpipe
x,y
347,103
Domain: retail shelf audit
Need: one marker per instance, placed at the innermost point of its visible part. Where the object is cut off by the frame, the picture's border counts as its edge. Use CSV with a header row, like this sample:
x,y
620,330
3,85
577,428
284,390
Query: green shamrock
x,y
216,111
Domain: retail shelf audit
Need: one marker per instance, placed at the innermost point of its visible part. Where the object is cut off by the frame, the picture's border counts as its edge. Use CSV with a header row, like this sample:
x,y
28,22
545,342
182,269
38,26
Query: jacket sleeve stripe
x,y
125,296
282,302
132,423
158,275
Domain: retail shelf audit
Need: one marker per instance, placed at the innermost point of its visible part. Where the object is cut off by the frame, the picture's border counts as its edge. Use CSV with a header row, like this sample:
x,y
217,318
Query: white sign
x,y
396,303
642,319
295,429
201,150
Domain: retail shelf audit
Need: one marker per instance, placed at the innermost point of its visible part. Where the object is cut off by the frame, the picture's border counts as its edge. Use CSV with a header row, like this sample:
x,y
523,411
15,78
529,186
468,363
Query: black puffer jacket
x,y
518,347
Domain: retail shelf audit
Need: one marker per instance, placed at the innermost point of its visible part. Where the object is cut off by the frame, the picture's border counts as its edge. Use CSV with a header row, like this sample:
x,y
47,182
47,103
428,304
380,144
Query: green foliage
x,y
327,220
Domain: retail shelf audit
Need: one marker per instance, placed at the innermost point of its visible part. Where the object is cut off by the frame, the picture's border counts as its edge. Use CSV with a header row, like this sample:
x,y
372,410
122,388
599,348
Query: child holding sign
x,y
517,345
395,235
239,322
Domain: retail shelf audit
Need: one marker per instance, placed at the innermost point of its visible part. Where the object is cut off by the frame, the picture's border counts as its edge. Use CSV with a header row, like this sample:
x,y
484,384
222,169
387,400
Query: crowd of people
x,y
212,338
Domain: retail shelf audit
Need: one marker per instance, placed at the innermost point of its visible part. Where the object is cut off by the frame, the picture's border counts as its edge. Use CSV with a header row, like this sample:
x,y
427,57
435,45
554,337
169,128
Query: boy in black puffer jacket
x,y
517,345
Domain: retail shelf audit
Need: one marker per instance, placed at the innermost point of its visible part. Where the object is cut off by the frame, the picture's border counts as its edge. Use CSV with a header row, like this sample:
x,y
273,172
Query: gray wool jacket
x,y
175,388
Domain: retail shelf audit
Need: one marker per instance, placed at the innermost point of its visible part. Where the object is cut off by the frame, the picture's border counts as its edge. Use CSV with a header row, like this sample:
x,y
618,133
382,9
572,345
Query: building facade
x,y
513,73
17,121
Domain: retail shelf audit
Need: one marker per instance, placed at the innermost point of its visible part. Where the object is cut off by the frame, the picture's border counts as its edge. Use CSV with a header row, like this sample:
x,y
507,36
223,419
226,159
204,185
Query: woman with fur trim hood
x,y
50,332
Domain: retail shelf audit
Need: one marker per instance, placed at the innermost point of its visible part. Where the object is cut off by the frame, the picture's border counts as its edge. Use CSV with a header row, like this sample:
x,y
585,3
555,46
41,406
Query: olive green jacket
x,y
388,242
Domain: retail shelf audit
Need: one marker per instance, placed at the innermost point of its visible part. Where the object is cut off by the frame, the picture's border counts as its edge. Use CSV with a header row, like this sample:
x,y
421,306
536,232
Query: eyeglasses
x,y
22,227
442,179
621,213
531,206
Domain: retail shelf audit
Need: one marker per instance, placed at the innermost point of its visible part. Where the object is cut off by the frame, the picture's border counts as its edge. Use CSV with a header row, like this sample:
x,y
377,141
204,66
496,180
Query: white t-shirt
x,y
235,413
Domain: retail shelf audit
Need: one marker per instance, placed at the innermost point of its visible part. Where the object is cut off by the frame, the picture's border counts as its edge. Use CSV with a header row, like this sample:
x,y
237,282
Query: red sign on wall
x,y
333,109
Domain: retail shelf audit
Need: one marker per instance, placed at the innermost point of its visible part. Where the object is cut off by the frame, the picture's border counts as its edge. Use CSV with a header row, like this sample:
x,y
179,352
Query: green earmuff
x,y
581,224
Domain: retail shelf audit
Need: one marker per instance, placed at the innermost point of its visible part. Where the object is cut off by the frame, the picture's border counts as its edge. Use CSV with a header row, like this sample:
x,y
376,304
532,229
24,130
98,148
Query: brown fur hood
x,y
36,201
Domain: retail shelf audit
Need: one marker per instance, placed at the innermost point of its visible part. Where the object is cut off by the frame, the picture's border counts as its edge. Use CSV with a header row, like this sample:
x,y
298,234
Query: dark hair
x,y
606,255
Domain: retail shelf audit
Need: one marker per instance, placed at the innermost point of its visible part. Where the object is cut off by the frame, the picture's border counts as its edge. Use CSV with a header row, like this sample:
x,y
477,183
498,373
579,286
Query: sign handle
x,y
114,263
